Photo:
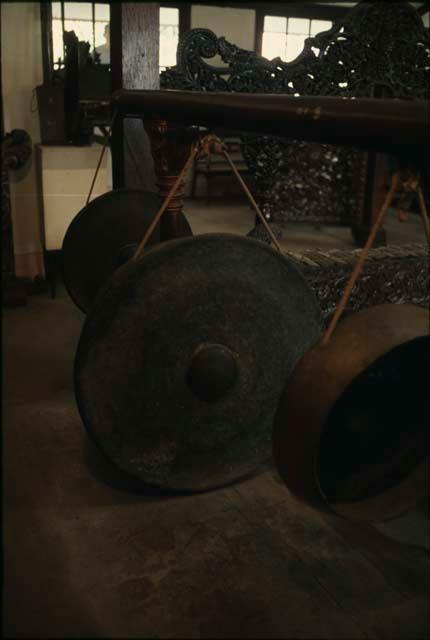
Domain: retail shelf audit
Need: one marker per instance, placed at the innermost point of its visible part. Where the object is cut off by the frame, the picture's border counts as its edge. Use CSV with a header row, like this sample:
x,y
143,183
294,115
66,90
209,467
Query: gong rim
x,y
356,345
97,234
198,468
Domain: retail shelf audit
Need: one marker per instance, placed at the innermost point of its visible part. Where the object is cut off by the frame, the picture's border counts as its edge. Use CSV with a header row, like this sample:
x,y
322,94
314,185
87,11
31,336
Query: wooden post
x,y
135,35
47,57
374,193
14,293
140,161
171,146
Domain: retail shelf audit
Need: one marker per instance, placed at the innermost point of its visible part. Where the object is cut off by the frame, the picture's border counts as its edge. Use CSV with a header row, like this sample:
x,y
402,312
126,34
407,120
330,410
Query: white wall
x,y
237,25
22,71
67,175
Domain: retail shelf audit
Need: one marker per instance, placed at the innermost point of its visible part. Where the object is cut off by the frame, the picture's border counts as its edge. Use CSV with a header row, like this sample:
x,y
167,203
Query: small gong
x,y
184,355
104,235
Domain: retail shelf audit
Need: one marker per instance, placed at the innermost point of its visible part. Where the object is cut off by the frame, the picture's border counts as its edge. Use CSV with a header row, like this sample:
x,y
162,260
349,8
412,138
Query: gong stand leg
x,y
372,188
412,185
361,259
171,145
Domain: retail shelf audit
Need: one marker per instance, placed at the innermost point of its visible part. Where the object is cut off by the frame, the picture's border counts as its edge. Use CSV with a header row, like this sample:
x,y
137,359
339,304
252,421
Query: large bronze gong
x,y
183,357
103,235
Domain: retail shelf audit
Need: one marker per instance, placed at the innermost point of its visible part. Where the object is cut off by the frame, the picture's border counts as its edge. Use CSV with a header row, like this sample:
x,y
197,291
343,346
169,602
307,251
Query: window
x,y
285,37
169,36
90,22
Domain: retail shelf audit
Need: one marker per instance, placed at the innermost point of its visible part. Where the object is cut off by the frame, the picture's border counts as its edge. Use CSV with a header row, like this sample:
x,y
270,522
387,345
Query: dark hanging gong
x,y
103,235
183,357
351,430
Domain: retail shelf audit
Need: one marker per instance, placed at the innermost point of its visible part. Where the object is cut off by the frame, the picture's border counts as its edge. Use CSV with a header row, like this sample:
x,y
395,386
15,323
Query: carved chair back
x,y
378,49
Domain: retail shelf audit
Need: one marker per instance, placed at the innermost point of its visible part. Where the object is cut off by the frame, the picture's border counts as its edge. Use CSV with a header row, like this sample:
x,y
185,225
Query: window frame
x,y
184,17
293,10
46,31
291,33
63,19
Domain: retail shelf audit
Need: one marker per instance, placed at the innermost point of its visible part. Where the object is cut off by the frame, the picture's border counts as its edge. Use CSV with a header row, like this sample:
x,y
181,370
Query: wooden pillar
x,y
13,290
135,35
374,194
171,146
374,190
46,33
148,156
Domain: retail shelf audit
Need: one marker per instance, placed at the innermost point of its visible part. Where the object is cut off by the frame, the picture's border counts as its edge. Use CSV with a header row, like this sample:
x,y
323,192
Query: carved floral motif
x,y
379,49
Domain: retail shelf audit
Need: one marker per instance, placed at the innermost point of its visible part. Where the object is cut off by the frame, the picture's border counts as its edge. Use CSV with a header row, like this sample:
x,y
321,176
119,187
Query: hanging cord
x,y
105,144
203,146
249,195
165,204
360,262
424,214
133,157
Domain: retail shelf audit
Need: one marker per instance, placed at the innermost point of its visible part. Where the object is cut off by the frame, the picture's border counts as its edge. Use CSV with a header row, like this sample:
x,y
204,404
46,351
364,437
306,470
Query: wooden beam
x,y
259,29
134,62
184,18
292,9
46,28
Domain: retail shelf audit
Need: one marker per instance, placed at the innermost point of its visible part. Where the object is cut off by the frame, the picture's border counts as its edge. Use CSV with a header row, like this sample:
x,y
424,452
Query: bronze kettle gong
x,y
351,427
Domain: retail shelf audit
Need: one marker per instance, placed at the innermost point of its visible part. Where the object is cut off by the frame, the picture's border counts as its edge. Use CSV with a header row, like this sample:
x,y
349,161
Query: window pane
x,y
274,45
57,40
102,12
169,16
79,10
320,25
56,9
298,25
83,29
101,38
275,24
169,37
295,46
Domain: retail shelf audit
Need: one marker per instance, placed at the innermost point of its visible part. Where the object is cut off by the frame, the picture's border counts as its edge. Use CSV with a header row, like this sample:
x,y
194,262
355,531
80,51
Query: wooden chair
x,y
213,165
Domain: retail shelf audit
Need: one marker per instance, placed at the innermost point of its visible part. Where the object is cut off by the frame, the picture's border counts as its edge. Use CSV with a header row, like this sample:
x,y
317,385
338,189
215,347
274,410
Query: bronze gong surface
x,y
184,355
350,432
377,432
98,235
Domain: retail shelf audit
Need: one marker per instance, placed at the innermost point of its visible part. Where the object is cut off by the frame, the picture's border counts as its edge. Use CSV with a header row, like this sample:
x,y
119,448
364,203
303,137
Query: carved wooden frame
x,y
375,50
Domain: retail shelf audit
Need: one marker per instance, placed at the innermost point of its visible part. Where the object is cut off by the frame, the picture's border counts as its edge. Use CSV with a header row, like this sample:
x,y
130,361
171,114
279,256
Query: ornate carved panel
x,y
378,49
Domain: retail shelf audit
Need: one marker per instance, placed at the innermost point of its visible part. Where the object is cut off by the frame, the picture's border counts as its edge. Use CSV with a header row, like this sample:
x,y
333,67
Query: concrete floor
x,y
85,558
